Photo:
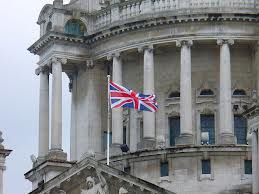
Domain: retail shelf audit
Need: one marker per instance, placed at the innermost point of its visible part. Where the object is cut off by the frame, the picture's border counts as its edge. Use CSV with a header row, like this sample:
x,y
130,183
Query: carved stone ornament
x,y
95,188
225,41
180,43
42,69
111,56
123,191
55,60
90,64
149,48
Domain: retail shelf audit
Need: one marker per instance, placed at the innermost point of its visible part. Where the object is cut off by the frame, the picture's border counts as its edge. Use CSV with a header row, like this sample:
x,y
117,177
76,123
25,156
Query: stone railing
x,y
131,9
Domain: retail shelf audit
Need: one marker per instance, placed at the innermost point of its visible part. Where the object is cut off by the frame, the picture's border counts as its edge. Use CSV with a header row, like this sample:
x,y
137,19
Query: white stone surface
x,y
44,114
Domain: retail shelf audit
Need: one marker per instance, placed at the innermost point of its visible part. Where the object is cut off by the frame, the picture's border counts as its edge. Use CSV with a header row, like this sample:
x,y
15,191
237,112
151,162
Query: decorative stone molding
x,y
123,191
149,48
180,43
225,41
90,64
42,69
111,56
55,60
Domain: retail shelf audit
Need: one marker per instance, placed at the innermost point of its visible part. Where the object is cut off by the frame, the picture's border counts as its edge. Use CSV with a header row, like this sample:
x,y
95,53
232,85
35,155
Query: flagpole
x,y
108,122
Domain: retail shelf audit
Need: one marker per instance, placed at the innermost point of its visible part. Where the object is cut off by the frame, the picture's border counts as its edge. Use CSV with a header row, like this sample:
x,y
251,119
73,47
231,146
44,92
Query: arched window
x,y
207,92
49,27
75,27
174,94
239,92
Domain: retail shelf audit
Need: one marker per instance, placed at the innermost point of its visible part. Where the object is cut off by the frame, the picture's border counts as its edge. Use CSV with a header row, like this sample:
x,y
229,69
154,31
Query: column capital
x,y
54,60
112,55
180,43
149,48
225,41
42,69
89,64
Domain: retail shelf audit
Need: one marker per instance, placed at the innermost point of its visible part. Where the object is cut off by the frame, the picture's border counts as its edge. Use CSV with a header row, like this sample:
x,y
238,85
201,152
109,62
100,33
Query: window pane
x,y
239,92
240,129
248,166
207,92
174,124
206,169
164,169
208,125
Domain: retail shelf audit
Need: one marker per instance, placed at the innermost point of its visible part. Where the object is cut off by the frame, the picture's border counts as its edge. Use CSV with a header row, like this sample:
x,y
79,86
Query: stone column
x,y
117,114
186,136
43,111
255,161
3,154
73,122
149,139
56,112
225,95
133,130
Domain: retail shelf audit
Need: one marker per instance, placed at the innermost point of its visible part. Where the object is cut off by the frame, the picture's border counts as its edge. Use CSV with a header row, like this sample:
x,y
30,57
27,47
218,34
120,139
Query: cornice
x,y
111,31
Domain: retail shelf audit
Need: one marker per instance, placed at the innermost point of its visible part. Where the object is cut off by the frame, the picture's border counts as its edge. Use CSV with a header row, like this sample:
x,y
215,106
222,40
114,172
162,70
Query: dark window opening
x,y
248,166
206,168
174,124
75,27
207,92
240,129
175,94
239,92
208,125
164,171
49,27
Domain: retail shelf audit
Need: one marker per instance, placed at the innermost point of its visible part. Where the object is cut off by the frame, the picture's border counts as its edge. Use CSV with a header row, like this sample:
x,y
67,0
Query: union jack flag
x,y
123,97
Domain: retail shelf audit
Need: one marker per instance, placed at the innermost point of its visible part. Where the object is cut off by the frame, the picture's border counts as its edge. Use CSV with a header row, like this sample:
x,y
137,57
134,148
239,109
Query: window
x,y
208,125
105,140
124,135
175,94
239,92
207,92
248,166
205,167
240,129
164,169
174,124
49,27
75,27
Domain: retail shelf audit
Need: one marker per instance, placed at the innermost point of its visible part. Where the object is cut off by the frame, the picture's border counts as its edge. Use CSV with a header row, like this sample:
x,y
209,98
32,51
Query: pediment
x,y
91,177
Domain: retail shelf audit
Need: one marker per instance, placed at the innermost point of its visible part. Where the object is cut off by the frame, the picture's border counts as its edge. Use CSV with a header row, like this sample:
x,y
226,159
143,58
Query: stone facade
x,y
151,46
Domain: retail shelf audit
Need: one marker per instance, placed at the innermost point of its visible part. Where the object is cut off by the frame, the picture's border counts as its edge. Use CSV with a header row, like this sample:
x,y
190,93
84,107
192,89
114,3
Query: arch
x,y
49,27
239,92
206,92
75,27
174,94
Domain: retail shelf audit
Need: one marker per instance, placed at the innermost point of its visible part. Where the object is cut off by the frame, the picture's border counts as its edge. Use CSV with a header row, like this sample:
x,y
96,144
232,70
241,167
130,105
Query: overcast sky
x,y
19,90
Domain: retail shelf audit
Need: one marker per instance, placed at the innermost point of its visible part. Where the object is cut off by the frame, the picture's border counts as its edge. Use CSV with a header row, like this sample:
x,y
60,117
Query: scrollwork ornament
x,y
180,43
225,41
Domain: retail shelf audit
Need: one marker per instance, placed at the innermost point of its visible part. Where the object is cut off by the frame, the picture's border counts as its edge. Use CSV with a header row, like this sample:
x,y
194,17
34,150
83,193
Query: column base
x,y
147,143
57,155
115,149
184,139
227,139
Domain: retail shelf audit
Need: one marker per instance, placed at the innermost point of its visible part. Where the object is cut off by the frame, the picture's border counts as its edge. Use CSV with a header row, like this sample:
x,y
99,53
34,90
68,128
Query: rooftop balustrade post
x,y
115,12
146,6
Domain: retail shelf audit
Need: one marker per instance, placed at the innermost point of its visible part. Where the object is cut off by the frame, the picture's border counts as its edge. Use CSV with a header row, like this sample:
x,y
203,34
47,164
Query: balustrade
x,y
134,8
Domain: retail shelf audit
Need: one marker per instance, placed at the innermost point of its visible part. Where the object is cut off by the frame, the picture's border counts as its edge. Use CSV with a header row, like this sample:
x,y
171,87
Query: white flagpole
x,y
108,122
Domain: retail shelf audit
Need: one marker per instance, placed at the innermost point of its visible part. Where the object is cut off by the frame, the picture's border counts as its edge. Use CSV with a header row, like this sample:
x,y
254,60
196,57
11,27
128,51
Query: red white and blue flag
x,y
123,97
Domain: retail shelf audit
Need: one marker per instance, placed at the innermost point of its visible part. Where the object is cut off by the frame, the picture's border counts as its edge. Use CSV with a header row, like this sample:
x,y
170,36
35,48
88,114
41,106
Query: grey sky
x,y
19,90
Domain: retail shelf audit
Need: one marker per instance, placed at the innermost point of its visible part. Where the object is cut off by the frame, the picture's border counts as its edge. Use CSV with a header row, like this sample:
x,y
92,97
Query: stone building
x,y
200,58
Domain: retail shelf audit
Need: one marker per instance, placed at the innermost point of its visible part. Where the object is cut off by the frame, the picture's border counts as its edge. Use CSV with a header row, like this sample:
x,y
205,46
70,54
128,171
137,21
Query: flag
x,y
123,97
